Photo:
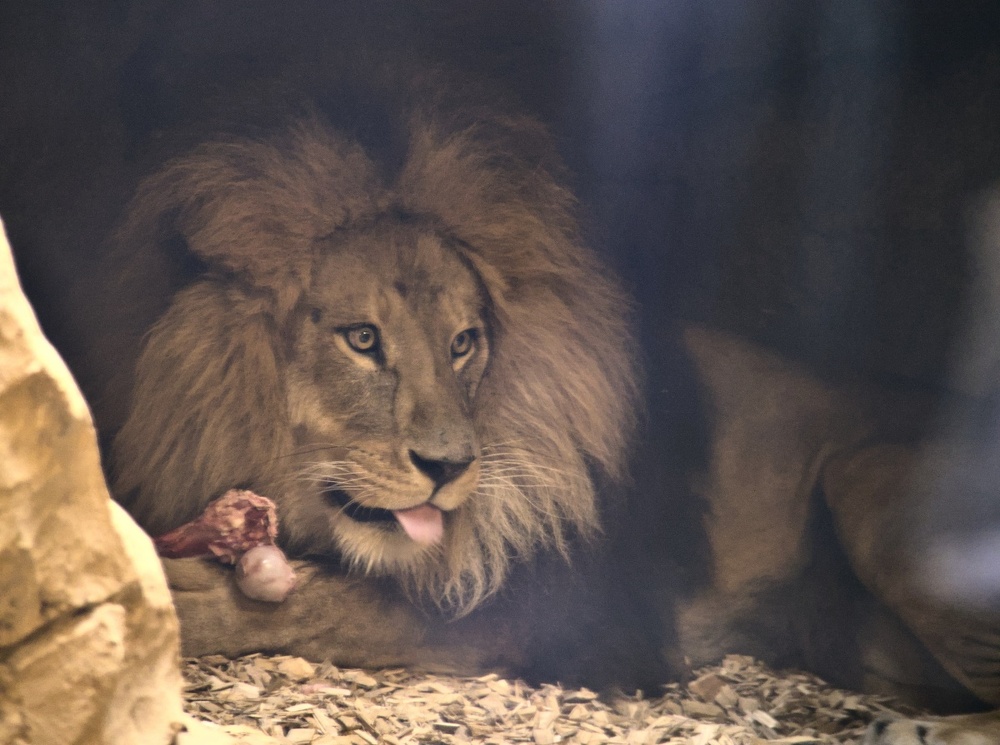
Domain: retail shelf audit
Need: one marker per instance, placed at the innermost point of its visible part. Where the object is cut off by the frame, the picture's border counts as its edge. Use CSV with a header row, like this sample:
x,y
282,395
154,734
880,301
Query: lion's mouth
x,y
355,511
424,524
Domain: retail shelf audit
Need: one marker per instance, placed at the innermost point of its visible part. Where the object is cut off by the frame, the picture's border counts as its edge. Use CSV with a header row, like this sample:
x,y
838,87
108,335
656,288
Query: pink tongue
x,y
424,524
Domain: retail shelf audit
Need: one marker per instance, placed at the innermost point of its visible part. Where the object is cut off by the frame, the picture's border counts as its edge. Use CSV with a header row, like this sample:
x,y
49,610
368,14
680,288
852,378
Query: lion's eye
x,y
461,345
362,338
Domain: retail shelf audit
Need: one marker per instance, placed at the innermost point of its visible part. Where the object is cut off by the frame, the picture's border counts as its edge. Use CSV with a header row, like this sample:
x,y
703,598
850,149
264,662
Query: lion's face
x,y
387,350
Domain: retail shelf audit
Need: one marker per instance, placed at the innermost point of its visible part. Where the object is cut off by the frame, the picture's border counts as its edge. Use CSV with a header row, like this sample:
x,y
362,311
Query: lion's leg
x,y
868,494
555,623
973,729
328,616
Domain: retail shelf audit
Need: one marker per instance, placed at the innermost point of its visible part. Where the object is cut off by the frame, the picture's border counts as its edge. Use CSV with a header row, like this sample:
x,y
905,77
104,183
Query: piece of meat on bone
x,y
237,528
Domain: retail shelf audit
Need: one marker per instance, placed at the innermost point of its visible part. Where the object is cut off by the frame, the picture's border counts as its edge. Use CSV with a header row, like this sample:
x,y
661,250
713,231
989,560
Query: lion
x,y
423,366
435,379
812,489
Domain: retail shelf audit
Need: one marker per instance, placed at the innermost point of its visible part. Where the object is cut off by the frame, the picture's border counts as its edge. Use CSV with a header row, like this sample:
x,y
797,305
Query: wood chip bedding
x,y
264,700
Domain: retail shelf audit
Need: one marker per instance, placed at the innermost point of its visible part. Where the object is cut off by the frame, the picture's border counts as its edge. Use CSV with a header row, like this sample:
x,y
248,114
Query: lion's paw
x,y
971,730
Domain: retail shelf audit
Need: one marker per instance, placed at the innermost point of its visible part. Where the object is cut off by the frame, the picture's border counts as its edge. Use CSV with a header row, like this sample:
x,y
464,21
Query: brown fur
x,y
211,398
812,492
971,729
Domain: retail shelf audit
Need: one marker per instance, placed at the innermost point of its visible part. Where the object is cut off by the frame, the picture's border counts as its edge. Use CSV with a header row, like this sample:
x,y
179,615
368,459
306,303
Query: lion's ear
x,y
254,209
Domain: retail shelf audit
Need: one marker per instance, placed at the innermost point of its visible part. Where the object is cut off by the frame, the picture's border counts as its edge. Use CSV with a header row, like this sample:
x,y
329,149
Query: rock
x,y
88,636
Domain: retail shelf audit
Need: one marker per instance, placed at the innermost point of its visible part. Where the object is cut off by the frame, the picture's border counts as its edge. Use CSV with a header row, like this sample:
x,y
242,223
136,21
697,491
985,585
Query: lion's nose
x,y
441,470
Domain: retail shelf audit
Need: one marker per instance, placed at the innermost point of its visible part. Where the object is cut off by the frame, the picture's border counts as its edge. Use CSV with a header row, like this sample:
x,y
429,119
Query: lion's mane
x,y
554,411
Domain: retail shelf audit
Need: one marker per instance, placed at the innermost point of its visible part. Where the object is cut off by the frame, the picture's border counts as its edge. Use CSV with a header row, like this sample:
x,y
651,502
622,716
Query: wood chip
x,y
764,718
283,700
543,737
296,668
360,679
700,710
726,697
707,686
580,697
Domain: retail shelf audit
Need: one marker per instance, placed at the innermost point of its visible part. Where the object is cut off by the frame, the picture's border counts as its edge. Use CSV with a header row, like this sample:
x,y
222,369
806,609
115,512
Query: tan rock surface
x,y
88,637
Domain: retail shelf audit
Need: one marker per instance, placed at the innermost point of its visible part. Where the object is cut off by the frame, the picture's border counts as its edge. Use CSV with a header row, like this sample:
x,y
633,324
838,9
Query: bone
x,y
263,573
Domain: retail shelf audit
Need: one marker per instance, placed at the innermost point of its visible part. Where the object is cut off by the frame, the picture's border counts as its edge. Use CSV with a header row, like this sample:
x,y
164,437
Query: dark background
x,y
799,172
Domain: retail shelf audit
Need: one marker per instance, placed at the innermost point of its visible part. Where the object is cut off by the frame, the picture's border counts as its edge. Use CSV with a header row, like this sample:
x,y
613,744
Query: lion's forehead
x,y
381,274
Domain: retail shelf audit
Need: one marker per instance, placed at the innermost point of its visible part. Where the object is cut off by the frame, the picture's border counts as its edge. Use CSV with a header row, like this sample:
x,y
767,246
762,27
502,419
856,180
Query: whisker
x,y
515,442
513,458
512,468
554,477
